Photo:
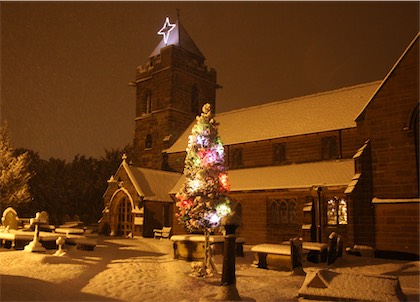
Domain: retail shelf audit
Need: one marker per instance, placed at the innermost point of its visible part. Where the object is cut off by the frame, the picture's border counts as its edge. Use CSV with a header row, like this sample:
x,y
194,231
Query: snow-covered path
x,y
142,269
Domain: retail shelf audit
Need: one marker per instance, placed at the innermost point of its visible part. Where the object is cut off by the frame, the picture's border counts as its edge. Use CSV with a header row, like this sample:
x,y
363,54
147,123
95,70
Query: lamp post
x,y
228,289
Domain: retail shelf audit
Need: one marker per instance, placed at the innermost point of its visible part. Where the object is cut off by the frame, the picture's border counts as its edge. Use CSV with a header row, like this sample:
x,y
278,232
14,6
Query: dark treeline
x,y
66,190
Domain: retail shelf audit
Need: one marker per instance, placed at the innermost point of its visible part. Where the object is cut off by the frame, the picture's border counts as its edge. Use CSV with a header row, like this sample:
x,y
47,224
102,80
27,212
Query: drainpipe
x,y
340,144
319,233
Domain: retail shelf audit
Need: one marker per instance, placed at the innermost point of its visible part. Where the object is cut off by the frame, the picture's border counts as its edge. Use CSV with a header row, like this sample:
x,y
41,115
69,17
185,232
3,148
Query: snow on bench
x,y
277,249
315,252
68,231
281,256
191,247
17,239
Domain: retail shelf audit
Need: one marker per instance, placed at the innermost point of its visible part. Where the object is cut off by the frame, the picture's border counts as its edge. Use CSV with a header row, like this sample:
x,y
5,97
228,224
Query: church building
x,y
343,161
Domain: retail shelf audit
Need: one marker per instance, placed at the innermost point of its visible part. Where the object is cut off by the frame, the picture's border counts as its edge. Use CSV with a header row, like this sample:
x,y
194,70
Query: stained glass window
x,y
337,211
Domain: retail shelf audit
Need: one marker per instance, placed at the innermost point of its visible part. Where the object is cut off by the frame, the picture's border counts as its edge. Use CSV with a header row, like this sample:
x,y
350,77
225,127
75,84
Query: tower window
x,y
329,147
148,142
194,100
148,102
279,153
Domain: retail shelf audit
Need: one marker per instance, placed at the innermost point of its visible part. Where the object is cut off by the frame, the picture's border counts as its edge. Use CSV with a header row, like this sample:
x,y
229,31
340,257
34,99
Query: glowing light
x,y
223,209
166,30
202,140
185,203
223,178
214,219
195,184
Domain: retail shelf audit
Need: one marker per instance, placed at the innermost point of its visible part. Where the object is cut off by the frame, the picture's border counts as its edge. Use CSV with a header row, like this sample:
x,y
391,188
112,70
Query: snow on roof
x,y
154,185
320,112
295,176
178,37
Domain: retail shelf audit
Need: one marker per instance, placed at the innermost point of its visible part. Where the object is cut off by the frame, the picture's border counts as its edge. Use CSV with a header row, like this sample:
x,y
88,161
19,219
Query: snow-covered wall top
x,y
325,173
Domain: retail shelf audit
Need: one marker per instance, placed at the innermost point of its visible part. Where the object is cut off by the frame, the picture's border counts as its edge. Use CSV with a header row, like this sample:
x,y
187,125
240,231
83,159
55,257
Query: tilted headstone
x,y
44,217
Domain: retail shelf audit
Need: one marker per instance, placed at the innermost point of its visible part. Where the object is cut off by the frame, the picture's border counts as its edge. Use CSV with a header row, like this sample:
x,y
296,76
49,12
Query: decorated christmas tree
x,y
202,200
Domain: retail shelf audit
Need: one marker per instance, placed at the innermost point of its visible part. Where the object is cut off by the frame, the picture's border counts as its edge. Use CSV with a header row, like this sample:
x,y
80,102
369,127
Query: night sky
x,y
65,66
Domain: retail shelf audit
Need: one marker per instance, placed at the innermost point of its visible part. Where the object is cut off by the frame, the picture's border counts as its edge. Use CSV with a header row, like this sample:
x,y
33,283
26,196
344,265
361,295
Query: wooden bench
x,y
335,247
164,232
85,244
69,231
191,247
315,252
17,239
280,256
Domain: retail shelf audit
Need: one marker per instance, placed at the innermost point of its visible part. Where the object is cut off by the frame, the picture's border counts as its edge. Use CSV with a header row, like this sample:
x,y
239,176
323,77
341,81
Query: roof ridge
x,y
299,98
154,170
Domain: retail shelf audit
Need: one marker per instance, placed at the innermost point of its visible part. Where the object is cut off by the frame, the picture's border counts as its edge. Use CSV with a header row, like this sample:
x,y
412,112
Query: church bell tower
x,y
172,86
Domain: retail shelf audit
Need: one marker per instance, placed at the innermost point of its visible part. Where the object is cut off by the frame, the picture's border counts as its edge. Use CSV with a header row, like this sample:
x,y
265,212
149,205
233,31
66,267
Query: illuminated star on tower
x,y
166,30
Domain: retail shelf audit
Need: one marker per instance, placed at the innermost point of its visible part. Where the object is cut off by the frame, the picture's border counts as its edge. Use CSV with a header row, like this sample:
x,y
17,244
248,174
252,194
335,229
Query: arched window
x,y
337,211
273,213
148,142
292,211
281,212
148,102
284,215
194,100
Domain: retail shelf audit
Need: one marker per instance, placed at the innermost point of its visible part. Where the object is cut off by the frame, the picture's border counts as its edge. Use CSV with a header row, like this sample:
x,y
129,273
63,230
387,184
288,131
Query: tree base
x,y
198,269
226,293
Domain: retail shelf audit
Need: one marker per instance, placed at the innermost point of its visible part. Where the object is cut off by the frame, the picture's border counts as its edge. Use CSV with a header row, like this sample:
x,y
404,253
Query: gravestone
x,y
10,219
44,218
328,285
35,245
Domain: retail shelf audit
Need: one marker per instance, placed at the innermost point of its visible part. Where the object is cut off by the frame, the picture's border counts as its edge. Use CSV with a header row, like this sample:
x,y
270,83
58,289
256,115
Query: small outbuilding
x,y
137,201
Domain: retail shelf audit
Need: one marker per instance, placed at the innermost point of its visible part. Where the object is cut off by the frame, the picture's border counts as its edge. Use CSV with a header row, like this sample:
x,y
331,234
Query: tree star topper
x,y
166,30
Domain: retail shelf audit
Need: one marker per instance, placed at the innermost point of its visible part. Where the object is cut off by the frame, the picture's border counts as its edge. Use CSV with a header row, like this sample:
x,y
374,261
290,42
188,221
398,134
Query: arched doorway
x,y
124,217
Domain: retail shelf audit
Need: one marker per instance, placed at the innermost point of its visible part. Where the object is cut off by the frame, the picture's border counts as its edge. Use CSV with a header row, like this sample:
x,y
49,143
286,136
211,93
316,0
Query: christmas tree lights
x,y
202,200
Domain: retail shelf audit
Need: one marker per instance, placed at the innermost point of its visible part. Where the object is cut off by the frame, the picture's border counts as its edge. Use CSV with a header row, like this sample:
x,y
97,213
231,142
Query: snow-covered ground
x,y
142,269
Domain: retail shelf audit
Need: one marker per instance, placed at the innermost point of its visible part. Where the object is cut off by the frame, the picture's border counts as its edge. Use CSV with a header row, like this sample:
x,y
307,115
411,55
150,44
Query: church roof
x,y
152,185
179,37
327,111
295,176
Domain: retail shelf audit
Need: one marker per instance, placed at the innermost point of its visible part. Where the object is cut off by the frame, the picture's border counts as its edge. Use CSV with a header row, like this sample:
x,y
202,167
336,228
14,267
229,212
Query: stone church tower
x,y
172,86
